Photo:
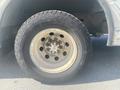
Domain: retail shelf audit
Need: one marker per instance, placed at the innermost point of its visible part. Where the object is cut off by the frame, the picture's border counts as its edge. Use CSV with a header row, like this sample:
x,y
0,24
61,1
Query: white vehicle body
x,y
113,11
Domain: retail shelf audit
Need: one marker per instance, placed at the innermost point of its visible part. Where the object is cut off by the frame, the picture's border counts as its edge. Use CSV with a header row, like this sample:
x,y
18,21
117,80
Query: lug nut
x,y
60,47
55,39
46,56
50,40
47,44
48,49
64,53
60,42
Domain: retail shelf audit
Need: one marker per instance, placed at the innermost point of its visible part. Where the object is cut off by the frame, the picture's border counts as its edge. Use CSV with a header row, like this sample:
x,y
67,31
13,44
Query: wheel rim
x,y
53,50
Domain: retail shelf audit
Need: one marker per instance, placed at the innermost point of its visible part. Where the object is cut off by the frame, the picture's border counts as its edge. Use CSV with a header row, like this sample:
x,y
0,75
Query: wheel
x,y
51,46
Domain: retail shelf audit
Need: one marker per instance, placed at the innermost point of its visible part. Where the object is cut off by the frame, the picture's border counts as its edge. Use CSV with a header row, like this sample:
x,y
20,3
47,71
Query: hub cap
x,y
53,50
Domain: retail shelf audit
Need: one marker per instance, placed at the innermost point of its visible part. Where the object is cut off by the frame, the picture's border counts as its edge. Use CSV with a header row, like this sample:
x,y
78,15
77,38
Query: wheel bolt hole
x,y
67,44
43,39
64,53
62,36
51,33
41,48
47,56
56,58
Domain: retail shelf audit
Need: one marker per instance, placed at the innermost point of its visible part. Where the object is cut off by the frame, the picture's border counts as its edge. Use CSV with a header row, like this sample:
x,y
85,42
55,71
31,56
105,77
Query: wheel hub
x,y
54,48
53,45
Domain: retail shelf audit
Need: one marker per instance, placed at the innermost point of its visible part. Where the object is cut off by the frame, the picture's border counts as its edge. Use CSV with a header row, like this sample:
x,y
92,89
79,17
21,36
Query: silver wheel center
x,y
53,50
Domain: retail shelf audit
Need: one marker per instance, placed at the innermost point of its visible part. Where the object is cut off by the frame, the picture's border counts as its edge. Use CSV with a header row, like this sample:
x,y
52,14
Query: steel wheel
x,y
53,50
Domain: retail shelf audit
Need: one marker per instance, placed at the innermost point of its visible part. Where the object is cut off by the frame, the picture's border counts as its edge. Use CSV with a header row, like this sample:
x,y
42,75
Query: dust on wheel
x,y
51,45
56,56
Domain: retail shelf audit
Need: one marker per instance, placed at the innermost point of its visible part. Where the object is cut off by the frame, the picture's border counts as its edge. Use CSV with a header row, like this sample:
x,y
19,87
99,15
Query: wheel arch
x,y
104,4
5,3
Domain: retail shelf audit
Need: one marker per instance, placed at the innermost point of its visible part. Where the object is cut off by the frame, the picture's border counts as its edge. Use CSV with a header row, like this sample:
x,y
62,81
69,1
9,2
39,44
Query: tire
x,y
49,23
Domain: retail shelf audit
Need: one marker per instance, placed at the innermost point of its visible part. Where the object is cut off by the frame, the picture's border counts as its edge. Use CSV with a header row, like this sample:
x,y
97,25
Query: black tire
x,y
50,19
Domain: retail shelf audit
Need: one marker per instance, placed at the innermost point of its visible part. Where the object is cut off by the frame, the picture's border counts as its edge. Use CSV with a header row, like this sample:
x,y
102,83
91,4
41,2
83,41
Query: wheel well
x,y
88,11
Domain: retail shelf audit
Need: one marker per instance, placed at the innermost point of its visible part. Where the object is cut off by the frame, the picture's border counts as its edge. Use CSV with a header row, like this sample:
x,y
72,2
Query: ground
x,y
100,72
